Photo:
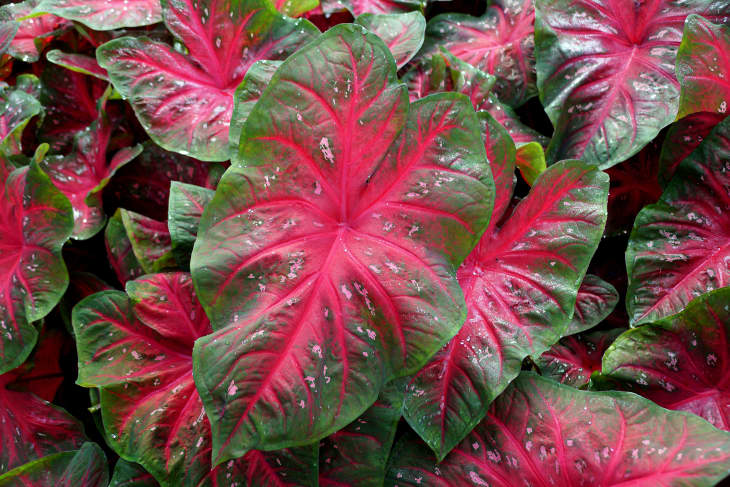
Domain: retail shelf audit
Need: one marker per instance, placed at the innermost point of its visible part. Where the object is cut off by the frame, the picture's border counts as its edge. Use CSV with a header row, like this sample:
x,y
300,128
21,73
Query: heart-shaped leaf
x,y
539,432
595,301
138,350
32,33
606,72
187,203
85,467
330,246
35,221
185,101
105,14
573,359
680,362
520,284
703,64
680,246
83,174
499,43
402,33
119,250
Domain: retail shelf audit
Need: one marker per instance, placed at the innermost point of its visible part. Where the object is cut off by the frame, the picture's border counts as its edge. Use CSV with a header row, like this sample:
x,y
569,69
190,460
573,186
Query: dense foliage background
x,y
364,242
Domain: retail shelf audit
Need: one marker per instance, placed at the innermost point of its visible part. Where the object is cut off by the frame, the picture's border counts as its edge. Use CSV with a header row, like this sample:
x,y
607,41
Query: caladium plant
x,y
238,251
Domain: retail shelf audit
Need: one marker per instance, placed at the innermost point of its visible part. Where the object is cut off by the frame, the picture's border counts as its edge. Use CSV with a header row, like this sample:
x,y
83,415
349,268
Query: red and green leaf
x,y
79,63
17,107
595,301
574,359
187,203
105,14
539,432
499,43
703,67
185,102
402,33
530,160
33,33
606,72
85,467
128,474
119,250
359,7
35,221
295,8
83,174
150,241
521,284
680,246
679,362
247,94
137,348
330,244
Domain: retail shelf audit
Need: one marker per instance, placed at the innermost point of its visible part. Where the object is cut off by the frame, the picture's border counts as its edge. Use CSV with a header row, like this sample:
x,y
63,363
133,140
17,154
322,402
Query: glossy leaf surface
x,y
79,63
187,203
35,221
150,241
128,474
85,467
105,14
150,407
339,225
33,33
595,301
543,433
16,108
680,362
680,246
530,160
402,33
520,284
185,101
359,7
606,72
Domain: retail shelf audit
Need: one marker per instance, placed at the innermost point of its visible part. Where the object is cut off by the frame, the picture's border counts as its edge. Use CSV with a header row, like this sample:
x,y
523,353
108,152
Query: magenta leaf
x,y
83,174
128,474
606,72
703,64
595,301
499,43
539,432
325,259
521,284
79,63
137,347
119,250
150,241
358,453
680,246
185,101
359,7
187,203
35,221
573,359
85,467
33,33
680,362
104,14
402,33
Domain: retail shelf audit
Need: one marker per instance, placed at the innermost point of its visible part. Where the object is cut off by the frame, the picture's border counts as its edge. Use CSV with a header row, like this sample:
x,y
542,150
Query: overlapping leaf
x,y
606,72
85,467
79,63
680,362
128,474
499,43
187,203
17,107
105,14
680,246
359,7
150,241
325,259
119,250
402,33
185,101
138,350
539,432
682,139
521,284
32,34
595,301
35,221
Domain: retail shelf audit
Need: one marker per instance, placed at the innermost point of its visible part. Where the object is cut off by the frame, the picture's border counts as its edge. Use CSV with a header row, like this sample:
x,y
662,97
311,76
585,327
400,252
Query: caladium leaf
x,y
138,350
679,362
530,160
402,33
540,432
79,63
682,139
105,14
187,203
150,240
679,247
359,7
83,174
33,33
499,43
606,73
128,474
16,109
85,467
119,250
143,185
8,29
35,221
703,64
324,250
295,8
574,359
595,301
185,101
520,284
247,94
358,453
